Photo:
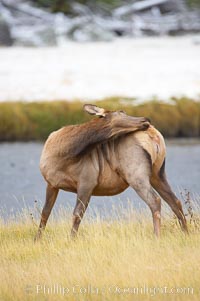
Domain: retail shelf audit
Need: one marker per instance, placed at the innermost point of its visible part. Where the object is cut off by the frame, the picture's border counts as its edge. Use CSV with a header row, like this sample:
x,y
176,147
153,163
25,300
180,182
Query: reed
x,y
36,120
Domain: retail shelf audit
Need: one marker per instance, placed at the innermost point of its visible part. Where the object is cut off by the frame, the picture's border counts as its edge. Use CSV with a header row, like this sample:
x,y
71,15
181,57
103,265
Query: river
x,y
22,183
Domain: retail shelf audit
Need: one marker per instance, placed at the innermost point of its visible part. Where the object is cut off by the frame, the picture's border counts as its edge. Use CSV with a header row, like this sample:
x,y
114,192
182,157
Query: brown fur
x,y
75,139
104,157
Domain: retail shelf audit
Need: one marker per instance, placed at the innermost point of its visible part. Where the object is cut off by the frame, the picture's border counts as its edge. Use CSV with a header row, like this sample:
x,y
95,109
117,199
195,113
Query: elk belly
x,y
109,183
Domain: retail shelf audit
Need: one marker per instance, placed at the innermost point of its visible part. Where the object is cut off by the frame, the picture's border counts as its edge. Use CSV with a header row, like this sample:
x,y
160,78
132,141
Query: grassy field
x,y
110,260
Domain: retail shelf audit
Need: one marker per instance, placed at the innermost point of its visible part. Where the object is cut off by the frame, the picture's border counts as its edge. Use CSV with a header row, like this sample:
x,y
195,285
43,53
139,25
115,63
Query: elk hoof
x,y
37,237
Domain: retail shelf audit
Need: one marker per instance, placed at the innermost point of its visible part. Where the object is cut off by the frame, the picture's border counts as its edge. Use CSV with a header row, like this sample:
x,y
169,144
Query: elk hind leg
x,y
161,185
145,191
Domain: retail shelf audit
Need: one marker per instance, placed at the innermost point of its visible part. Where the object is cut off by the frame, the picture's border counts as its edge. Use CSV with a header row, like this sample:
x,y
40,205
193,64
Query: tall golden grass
x,y
117,259
35,121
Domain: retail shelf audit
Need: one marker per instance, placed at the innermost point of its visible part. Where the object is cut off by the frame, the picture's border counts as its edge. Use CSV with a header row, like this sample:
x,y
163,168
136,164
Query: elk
x,y
103,157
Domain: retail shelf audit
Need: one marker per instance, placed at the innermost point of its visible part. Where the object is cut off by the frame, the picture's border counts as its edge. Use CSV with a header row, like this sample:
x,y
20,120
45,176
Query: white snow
x,y
142,68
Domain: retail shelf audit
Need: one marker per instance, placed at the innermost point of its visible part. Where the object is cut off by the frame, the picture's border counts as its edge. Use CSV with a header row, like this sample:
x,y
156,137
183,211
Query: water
x,y
22,183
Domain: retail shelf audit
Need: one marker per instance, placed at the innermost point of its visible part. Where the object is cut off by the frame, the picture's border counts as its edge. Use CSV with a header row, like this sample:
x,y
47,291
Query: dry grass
x,y
110,258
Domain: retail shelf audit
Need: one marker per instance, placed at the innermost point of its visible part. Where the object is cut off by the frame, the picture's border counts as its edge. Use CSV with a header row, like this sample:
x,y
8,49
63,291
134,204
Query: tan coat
x,y
103,157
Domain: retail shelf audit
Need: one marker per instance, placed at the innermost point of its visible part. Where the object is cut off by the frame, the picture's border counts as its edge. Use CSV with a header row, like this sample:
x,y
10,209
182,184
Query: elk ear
x,y
94,110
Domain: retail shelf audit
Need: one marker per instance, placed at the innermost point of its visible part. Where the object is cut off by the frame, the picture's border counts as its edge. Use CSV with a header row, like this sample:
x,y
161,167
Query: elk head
x,y
119,121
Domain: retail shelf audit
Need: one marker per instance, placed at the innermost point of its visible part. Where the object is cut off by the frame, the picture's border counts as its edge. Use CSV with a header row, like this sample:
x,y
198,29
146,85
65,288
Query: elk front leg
x,y
88,179
83,198
51,195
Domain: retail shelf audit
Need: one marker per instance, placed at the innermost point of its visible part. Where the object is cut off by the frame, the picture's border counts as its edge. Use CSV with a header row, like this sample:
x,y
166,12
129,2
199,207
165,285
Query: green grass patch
x,y
65,6
20,121
193,3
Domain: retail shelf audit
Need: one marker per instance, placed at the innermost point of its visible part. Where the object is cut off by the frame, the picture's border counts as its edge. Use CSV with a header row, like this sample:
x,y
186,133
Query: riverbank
x,y
23,121
110,260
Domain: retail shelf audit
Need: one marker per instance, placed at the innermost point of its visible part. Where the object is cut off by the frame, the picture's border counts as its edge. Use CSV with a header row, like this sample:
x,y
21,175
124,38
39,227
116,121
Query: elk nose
x,y
146,119
145,123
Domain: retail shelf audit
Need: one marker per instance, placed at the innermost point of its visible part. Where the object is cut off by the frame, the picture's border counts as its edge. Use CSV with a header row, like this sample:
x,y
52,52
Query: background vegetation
x,y
35,121
65,5
193,3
